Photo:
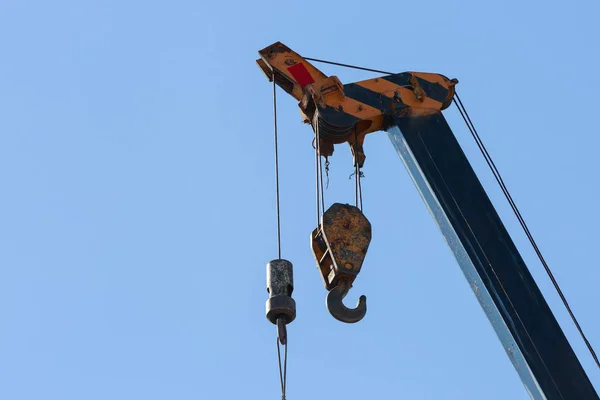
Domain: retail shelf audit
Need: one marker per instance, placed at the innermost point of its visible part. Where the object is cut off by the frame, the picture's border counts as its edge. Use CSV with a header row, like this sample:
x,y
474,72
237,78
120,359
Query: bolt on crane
x,y
408,106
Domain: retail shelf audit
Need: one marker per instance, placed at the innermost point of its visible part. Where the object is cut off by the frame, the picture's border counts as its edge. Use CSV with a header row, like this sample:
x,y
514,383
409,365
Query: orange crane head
x,y
347,113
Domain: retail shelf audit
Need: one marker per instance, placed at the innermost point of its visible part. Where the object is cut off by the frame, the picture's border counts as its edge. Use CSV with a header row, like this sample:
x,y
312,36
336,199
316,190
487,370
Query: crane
x,y
408,107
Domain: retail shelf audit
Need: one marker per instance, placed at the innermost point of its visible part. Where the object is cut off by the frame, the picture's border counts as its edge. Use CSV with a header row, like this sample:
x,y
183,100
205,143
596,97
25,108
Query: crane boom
x,y
489,259
408,106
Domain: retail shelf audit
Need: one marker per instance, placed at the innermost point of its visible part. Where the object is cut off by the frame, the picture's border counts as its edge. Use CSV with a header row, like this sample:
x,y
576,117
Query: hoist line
x,y
321,183
282,376
317,184
357,173
356,179
504,189
319,172
277,209
360,190
282,372
463,112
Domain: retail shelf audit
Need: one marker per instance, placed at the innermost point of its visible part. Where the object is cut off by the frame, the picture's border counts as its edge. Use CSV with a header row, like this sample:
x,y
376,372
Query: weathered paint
x,y
347,113
525,325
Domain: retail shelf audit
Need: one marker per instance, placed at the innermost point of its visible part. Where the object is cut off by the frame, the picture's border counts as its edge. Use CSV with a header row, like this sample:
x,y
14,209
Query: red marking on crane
x,y
301,74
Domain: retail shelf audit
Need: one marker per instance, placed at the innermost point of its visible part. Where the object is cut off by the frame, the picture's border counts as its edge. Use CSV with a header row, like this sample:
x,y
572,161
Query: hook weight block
x,y
280,285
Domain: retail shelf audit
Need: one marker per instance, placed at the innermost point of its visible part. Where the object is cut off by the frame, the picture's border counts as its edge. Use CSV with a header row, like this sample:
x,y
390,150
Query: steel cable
x,y
282,376
282,371
507,194
463,112
277,209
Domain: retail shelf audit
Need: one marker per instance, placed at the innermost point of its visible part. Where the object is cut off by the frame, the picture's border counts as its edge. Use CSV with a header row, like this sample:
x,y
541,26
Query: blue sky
x,y
137,207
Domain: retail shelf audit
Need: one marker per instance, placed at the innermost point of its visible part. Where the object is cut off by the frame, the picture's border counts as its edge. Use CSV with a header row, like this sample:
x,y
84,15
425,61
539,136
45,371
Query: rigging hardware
x,y
340,244
408,107
280,306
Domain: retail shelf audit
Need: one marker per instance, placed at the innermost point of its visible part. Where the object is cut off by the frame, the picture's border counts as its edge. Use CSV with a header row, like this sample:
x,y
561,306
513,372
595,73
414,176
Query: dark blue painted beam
x,y
490,260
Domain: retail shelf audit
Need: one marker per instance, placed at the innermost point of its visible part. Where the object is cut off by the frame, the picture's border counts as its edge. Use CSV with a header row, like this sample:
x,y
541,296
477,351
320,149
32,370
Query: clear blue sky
x,y
137,206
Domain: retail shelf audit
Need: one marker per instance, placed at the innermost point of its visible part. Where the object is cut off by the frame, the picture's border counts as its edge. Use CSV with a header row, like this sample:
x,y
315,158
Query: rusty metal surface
x,y
348,234
340,244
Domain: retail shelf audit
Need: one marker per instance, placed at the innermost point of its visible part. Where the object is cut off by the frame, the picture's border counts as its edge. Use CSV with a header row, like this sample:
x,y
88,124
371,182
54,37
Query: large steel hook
x,y
340,245
337,308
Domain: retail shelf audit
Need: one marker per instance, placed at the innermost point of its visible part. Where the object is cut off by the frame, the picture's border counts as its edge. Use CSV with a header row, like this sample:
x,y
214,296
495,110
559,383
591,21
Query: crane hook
x,y
340,244
337,308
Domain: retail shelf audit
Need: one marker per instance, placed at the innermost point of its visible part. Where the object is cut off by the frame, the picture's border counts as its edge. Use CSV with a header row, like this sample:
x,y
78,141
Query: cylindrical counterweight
x,y
280,285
